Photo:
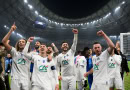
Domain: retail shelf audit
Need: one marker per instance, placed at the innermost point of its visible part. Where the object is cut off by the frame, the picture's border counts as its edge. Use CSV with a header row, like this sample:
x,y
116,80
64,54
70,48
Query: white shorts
x,y
35,87
17,84
68,83
100,86
117,82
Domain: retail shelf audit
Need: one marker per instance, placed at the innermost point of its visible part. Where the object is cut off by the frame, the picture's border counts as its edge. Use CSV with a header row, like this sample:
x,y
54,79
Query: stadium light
x,y
25,1
19,35
5,26
41,23
117,8
36,12
30,6
41,16
123,2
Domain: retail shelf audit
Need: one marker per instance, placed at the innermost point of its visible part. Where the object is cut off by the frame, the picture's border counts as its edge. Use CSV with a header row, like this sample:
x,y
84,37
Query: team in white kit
x,y
47,65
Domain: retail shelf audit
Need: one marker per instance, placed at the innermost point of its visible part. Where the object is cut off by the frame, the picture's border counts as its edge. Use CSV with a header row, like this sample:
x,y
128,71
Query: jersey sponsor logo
x,y
21,61
111,65
96,66
65,62
43,68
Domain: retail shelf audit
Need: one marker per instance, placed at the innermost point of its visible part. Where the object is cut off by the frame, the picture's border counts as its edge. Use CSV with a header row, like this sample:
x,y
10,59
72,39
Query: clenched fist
x,y
75,31
100,33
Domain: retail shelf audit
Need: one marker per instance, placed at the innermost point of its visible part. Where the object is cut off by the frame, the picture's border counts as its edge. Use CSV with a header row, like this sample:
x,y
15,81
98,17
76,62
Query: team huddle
x,y
50,66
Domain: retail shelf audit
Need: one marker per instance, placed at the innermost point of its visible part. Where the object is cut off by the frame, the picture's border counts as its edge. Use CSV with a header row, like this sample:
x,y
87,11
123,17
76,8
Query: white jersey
x,y
100,67
42,69
114,63
66,61
80,62
20,65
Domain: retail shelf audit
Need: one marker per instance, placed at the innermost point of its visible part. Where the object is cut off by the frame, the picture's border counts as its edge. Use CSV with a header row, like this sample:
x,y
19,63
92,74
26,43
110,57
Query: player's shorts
x,y
100,86
18,84
117,82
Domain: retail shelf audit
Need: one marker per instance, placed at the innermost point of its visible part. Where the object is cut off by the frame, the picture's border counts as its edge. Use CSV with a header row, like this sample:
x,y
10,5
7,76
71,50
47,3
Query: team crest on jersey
x,y
43,68
96,66
21,61
65,62
111,65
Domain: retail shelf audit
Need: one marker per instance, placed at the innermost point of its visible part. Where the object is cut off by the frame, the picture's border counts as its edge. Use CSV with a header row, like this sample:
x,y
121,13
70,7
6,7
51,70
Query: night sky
x,y
74,9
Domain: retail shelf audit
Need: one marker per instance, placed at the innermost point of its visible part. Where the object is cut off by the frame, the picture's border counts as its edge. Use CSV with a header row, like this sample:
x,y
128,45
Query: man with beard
x,y
66,61
20,67
36,49
100,64
53,51
43,67
2,66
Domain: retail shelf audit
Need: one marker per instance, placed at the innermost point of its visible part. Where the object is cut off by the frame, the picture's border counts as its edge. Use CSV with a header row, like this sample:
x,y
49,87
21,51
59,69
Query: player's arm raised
x,y
73,47
7,36
25,50
110,44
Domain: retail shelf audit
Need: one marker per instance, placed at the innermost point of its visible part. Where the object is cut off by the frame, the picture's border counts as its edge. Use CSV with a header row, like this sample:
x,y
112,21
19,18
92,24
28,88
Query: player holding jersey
x,y
43,66
66,60
100,64
114,66
20,75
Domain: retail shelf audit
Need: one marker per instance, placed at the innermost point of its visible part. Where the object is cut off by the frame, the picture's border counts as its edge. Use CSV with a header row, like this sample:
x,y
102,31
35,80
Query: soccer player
x,y
66,61
114,65
53,51
43,66
87,52
80,62
100,64
20,75
36,49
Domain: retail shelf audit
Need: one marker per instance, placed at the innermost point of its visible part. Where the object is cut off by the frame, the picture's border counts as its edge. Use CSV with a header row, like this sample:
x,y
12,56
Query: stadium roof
x,y
36,18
